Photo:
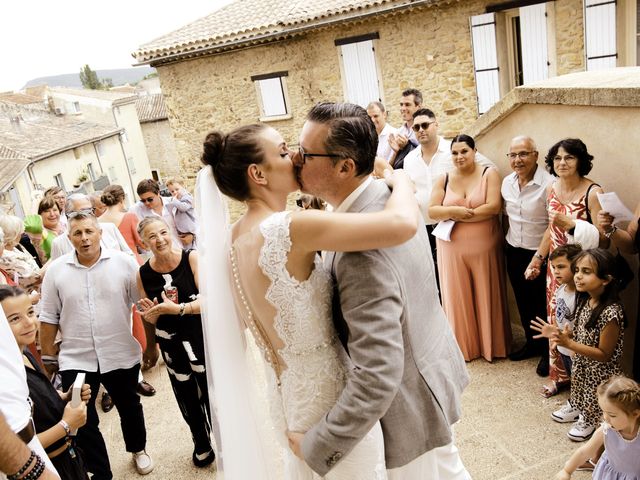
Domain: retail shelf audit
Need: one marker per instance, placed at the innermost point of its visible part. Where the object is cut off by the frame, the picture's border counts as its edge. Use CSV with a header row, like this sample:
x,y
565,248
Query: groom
x,y
406,368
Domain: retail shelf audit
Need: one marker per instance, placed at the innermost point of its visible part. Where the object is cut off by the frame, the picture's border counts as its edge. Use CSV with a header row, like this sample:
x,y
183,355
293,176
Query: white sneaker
x,y
566,414
581,431
143,462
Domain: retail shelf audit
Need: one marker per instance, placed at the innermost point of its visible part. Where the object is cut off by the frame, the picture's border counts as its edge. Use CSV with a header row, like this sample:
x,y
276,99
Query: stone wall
x,y
161,148
428,48
569,36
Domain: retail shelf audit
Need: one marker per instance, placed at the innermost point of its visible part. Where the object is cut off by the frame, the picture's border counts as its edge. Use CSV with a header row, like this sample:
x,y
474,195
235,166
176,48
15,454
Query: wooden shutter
x,y
361,75
272,97
600,34
485,60
533,35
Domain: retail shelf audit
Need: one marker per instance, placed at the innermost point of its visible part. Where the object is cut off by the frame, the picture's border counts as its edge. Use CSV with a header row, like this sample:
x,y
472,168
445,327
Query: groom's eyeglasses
x,y
304,155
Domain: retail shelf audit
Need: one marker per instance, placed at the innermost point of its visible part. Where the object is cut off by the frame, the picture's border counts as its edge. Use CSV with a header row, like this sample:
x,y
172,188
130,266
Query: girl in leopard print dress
x,y
597,337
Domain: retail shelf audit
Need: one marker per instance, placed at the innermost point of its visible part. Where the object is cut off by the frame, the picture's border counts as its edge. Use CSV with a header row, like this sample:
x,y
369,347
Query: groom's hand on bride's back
x,y
295,443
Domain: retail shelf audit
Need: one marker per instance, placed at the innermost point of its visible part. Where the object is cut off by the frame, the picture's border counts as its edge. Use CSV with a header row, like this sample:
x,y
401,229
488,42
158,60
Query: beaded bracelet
x,y
36,471
24,468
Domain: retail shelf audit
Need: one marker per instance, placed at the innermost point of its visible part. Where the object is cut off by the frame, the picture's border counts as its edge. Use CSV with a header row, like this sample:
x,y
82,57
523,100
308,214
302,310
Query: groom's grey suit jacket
x,y
406,368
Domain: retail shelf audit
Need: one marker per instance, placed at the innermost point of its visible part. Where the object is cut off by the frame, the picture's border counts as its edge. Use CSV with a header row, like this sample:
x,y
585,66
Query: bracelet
x,y
539,257
17,475
182,305
36,471
611,232
66,427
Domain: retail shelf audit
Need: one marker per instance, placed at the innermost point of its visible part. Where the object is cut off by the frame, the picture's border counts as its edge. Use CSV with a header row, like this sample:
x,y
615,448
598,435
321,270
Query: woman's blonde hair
x,y
13,228
622,391
146,221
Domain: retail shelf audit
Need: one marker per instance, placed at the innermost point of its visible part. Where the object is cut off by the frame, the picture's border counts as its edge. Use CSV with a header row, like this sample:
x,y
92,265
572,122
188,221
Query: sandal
x,y
549,390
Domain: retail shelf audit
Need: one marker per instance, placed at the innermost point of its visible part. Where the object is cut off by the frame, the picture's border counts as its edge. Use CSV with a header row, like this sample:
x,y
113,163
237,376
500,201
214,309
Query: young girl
x,y
597,338
619,399
53,416
561,260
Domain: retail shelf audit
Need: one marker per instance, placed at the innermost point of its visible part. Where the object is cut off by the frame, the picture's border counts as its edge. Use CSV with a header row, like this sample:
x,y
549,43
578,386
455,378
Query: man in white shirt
x,y
15,410
87,296
428,162
525,214
378,116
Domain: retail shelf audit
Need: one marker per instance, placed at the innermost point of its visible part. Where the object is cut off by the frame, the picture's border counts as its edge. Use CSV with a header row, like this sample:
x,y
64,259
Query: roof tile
x,y
151,108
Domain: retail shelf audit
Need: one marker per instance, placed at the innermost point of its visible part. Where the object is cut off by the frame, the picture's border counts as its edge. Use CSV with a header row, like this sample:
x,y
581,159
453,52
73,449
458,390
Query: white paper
x,y
443,230
611,203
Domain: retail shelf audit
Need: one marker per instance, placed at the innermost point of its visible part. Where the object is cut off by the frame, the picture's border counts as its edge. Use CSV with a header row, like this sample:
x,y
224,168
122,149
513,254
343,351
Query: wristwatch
x,y
611,232
539,257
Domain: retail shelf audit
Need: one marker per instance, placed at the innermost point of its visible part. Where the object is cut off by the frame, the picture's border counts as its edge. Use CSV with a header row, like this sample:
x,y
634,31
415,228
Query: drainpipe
x,y
95,149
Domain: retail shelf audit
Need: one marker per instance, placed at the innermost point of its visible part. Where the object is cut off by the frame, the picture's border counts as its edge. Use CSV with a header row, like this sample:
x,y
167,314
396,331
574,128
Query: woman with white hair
x,y
15,260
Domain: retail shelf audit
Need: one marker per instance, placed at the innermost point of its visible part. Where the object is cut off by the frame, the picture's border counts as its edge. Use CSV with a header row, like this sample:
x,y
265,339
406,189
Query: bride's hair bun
x,y
231,155
213,148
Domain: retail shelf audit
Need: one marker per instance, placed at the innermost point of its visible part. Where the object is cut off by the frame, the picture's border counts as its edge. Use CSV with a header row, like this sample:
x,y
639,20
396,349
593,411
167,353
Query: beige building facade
x,y
229,69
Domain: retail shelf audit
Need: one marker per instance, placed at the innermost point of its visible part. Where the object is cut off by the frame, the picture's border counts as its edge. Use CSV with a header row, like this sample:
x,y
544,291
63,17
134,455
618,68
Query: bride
x,y
282,294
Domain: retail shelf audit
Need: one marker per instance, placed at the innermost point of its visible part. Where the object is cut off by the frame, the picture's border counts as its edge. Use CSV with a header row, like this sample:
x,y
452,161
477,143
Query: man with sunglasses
x,y
428,162
152,203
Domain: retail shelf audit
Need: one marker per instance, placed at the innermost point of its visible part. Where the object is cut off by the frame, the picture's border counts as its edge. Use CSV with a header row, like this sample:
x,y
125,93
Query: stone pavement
x,y
506,432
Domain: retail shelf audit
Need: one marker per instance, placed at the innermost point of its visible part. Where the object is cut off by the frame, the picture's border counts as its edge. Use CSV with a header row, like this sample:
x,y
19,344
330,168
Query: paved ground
x,y
506,432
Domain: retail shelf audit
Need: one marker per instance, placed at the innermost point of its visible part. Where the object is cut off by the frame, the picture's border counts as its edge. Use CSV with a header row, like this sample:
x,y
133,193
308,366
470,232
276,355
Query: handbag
x,y
623,273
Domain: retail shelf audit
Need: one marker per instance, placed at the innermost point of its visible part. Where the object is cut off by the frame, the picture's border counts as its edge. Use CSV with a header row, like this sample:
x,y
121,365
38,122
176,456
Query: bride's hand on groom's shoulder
x,y
295,443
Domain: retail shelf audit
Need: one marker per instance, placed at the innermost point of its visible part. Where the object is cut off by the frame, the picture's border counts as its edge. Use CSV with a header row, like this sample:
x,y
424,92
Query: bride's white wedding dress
x,y
307,372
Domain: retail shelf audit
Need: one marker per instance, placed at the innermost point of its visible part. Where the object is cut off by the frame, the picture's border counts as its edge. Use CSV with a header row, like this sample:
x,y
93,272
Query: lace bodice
x,y
313,375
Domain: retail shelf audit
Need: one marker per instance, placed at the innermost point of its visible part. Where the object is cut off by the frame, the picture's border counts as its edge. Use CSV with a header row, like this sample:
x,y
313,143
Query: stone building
x,y
158,137
271,60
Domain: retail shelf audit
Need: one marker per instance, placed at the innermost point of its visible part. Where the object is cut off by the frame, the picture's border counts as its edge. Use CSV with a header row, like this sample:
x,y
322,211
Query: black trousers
x,y
121,385
531,295
434,254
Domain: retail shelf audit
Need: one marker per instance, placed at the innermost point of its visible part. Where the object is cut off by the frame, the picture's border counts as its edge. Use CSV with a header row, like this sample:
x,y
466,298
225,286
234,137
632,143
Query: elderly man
x,y
87,296
431,160
525,216
378,116
389,318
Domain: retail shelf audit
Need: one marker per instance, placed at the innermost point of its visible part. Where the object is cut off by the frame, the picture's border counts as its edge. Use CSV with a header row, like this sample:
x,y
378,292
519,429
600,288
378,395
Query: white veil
x,y
240,453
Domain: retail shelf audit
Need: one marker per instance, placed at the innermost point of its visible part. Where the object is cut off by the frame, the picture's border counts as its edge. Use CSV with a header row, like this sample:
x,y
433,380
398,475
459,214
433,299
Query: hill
x,y
119,76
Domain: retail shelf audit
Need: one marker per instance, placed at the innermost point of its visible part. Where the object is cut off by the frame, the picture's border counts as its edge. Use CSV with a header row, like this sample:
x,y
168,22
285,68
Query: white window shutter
x,y
272,97
533,34
361,75
485,60
600,34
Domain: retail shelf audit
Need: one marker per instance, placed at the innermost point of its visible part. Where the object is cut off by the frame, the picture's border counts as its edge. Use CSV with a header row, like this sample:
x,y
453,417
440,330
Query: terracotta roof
x,y
20,98
116,98
10,170
151,108
250,22
41,136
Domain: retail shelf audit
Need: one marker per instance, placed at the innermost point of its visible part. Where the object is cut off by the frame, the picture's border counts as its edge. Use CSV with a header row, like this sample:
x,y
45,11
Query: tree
x,y
90,79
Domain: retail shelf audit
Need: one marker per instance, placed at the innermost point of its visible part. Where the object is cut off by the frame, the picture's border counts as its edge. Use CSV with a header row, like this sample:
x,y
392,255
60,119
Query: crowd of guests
x,y
78,279
91,286
544,227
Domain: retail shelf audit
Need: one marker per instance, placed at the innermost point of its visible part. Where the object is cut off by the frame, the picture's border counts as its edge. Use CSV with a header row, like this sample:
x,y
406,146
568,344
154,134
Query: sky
x,y
44,37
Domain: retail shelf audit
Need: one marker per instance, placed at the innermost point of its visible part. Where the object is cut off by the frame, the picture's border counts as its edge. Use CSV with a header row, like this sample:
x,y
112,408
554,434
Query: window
x,y
359,69
155,174
112,175
73,107
59,181
271,89
510,48
91,172
600,34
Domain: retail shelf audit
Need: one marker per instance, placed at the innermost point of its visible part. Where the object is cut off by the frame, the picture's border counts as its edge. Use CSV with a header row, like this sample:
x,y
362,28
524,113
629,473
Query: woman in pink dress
x,y
572,196
471,264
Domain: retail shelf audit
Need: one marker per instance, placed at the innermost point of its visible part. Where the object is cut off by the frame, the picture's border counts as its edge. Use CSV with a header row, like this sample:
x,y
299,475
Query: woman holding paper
x,y
628,241
53,416
471,263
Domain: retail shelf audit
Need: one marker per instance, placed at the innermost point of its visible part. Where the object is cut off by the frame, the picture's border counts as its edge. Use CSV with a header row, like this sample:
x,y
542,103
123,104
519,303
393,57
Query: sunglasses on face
x,y
147,200
424,126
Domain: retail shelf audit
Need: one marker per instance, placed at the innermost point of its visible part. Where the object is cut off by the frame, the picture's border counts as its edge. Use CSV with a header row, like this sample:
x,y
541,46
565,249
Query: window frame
x,y
281,75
